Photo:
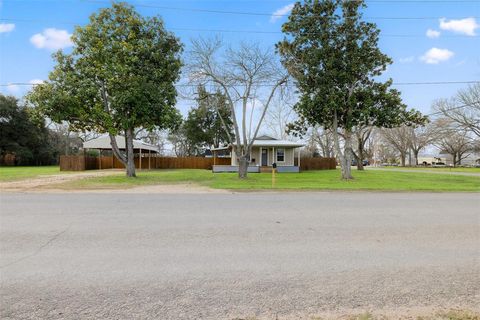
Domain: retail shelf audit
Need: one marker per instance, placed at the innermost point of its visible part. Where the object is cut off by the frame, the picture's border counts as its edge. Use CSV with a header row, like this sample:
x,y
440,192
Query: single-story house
x,y
266,151
141,150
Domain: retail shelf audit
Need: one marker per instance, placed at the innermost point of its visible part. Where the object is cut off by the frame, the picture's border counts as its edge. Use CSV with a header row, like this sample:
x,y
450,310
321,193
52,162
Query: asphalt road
x,y
226,256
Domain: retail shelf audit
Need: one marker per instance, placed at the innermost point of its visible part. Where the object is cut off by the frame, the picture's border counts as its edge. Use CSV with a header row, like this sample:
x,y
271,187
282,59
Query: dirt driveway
x,y
41,183
52,184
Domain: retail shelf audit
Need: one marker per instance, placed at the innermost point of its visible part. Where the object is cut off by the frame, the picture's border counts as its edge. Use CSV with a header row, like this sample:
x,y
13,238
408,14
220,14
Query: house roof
x,y
277,143
103,142
267,141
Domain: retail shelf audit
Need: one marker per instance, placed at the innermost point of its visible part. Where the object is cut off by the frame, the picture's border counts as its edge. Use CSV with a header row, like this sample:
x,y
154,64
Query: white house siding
x,y
289,157
272,155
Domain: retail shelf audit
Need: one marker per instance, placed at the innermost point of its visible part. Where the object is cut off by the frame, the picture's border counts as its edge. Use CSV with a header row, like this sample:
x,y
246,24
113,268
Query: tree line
x,y
452,130
29,138
124,70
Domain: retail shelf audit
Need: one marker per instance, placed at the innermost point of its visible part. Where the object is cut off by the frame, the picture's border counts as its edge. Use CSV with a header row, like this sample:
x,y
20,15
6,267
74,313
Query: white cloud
x,y
436,55
254,104
433,33
407,59
6,27
281,12
13,88
52,39
464,26
36,81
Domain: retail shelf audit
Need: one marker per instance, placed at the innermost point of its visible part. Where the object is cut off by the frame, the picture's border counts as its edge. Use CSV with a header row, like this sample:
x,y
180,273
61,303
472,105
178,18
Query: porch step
x,y
265,169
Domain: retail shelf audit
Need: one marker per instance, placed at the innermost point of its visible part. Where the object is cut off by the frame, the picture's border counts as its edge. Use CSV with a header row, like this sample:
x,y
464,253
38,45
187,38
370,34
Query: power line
x,y
435,83
251,13
194,85
366,1
237,30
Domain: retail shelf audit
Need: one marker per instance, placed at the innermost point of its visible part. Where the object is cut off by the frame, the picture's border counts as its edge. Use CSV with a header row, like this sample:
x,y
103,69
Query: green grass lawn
x,y
309,180
442,169
19,173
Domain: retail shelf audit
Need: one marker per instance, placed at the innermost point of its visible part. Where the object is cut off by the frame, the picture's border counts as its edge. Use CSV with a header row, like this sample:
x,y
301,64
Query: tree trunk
x,y
242,166
348,153
415,155
116,150
360,156
345,158
67,142
454,159
360,165
402,159
130,155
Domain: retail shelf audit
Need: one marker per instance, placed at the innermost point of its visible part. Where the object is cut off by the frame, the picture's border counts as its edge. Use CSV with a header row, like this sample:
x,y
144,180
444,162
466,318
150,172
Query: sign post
x,y
274,171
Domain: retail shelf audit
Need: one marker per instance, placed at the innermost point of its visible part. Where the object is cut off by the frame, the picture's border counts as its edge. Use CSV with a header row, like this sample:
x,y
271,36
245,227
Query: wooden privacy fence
x,y
317,164
79,163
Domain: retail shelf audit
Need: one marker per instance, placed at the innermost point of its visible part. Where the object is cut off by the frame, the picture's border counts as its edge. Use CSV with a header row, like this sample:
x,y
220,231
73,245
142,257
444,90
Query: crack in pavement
x,y
39,249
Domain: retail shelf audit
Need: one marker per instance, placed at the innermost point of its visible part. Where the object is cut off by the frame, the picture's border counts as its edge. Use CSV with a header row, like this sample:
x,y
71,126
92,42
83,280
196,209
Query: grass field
x,y
311,180
19,173
443,169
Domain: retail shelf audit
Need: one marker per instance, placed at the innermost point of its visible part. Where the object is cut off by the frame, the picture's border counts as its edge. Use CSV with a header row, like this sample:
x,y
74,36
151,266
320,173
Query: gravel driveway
x,y
226,256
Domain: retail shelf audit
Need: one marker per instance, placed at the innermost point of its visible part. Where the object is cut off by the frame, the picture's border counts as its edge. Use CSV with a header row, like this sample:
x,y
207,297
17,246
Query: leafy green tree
x,y
334,57
119,76
29,140
182,145
204,126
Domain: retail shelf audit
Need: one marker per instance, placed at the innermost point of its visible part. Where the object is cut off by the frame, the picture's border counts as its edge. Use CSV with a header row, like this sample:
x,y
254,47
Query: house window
x,y
280,155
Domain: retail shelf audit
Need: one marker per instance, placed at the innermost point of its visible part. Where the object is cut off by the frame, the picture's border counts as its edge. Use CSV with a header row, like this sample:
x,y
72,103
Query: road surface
x,y
227,256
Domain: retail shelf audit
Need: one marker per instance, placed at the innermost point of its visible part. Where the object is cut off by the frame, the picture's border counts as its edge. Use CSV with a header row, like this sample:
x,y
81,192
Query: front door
x,y
264,157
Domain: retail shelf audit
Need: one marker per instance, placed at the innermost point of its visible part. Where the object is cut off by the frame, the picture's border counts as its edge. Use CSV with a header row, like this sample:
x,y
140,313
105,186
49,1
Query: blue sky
x,y
30,30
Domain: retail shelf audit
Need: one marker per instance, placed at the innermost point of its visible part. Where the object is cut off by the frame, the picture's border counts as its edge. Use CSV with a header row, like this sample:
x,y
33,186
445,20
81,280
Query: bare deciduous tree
x,y
324,138
421,137
453,141
155,137
246,75
278,116
320,141
399,139
362,136
385,153
463,109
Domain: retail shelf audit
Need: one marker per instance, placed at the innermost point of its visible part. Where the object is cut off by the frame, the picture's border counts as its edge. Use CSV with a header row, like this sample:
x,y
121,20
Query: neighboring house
x,y
265,152
103,143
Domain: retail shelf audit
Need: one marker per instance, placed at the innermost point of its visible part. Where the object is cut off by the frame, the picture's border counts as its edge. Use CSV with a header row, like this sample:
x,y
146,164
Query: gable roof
x,y
103,142
265,137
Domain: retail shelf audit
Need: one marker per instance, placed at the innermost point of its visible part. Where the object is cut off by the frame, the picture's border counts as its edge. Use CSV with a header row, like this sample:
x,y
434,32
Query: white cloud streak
x,y
52,39
6,27
407,59
13,88
465,26
36,81
436,55
281,12
433,34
